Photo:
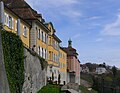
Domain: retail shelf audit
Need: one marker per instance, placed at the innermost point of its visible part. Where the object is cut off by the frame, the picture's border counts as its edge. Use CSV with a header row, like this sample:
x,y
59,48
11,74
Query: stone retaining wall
x,y
4,86
35,77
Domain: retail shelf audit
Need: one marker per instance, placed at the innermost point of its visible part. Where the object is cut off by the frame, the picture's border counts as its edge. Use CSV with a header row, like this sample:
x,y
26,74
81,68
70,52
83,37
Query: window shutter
x,y
26,32
43,53
23,30
40,35
7,20
43,37
38,50
46,54
12,23
16,25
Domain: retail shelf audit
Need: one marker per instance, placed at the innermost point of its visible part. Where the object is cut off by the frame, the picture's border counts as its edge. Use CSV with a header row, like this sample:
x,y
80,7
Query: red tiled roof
x,y
21,8
70,51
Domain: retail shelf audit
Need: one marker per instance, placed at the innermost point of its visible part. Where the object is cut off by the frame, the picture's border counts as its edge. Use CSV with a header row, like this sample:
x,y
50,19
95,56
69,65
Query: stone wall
x,y
35,77
4,86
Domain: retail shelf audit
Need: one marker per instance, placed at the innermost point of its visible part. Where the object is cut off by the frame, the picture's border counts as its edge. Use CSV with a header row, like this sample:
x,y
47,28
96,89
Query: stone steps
x,y
72,87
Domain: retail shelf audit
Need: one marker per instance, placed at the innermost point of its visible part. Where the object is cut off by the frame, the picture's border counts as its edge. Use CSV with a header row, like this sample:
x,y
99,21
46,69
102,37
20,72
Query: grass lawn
x,y
85,90
50,89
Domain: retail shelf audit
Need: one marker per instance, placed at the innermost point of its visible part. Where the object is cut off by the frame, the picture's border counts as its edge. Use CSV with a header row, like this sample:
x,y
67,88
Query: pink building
x,y
73,64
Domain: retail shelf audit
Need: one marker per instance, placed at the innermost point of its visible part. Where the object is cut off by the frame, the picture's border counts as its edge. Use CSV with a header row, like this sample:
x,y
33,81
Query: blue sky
x,y
93,26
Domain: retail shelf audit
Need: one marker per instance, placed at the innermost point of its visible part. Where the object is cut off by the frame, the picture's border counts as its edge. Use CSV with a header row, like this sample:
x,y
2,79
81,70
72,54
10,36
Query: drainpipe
x,y
1,13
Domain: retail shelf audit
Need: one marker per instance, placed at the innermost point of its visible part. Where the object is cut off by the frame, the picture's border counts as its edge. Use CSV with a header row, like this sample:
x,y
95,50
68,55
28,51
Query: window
x,y
10,22
39,50
45,54
42,35
50,41
39,34
16,28
45,38
5,19
42,52
25,31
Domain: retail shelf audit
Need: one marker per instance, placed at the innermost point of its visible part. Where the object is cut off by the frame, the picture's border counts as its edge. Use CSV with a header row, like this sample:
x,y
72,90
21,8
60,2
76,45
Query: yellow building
x,y
13,23
63,66
39,38
53,53
37,35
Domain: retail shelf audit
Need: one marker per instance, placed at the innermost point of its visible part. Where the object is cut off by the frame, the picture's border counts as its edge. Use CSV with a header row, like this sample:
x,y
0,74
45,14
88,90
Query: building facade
x,y
13,23
34,32
73,64
84,68
63,66
100,70
18,17
53,53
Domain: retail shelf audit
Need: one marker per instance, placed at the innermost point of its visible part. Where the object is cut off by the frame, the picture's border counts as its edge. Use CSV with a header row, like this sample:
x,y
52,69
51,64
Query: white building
x,y
100,70
84,69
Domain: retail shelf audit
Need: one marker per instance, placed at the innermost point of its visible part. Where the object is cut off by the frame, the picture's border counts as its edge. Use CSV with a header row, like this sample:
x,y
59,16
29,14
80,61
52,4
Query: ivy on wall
x,y
14,60
43,63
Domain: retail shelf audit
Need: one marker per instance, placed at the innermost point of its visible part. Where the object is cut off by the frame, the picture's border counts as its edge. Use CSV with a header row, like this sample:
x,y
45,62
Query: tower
x,y
69,43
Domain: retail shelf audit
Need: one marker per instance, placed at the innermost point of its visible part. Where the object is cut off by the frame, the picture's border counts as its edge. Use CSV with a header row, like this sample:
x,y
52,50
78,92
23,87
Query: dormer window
x,y
10,22
25,31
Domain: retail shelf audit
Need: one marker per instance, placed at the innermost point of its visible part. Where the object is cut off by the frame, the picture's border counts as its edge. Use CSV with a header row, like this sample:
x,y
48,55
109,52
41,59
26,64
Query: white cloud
x,y
58,8
99,39
112,29
76,36
94,17
71,13
52,3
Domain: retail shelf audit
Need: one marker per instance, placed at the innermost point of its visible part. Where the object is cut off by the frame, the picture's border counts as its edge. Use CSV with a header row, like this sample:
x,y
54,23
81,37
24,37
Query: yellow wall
x,y
14,26
42,43
48,46
63,61
52,51
25,39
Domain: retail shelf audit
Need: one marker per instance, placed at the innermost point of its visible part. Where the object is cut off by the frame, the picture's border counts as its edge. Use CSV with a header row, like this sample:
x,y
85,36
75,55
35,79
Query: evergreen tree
x,y
59,79
114,70
52,77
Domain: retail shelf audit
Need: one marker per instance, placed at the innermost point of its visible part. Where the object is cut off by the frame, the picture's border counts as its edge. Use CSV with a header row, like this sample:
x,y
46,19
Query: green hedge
x,y
14,60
